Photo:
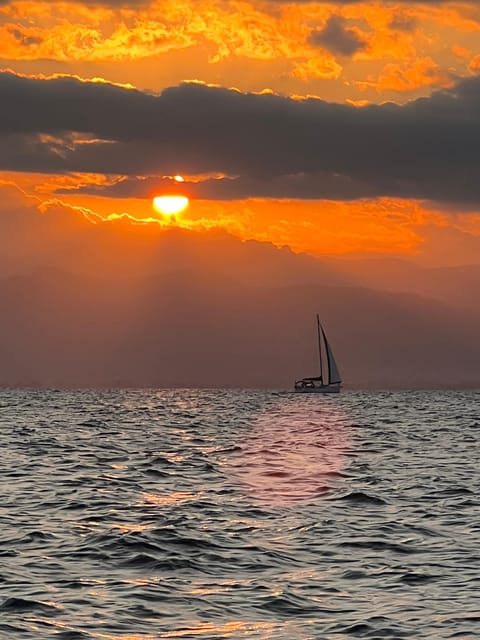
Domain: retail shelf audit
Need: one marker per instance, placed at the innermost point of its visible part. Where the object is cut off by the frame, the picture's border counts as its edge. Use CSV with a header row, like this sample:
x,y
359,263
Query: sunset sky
x,y
329,157
330,127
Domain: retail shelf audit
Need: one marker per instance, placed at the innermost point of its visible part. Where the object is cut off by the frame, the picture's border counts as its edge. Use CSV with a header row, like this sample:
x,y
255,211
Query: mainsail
x,y
333,372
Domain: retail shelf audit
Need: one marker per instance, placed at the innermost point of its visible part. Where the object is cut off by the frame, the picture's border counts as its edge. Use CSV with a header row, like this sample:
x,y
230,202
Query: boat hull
x,y
326,388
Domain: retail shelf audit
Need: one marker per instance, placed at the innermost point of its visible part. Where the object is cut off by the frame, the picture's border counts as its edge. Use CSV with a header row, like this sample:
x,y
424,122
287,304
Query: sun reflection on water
x,y
129,527
234,628
227,629
293,453
166,499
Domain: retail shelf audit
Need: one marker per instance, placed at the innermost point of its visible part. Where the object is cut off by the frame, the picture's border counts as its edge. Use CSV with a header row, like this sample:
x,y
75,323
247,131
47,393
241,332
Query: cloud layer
x,y
269,146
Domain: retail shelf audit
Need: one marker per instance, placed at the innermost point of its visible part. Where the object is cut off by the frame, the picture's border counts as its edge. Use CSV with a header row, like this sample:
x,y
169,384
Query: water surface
x,y
239,514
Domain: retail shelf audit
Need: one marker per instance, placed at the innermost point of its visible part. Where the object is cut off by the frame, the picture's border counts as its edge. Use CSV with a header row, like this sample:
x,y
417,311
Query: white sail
x,y
333,372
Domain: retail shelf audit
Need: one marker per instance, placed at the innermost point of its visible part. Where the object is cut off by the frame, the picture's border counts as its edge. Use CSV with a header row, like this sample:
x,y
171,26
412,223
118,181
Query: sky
x,y
342,130
359,119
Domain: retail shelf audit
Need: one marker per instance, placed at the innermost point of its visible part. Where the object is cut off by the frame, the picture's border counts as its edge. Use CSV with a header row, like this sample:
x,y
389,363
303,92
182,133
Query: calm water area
x,y
155,514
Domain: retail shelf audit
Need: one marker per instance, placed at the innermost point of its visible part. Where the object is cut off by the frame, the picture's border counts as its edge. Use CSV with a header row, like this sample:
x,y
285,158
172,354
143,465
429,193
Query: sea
x,y
212,514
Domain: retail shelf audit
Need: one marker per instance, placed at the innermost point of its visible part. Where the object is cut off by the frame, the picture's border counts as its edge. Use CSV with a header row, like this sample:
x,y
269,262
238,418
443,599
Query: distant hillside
x,y
196,329
129,252
456,285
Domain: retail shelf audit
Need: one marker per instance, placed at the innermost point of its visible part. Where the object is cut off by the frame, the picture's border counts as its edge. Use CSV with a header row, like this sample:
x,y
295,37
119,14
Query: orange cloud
x,y
461,52
81,42
272,40
467,223
423,72
29,218
319,67
69,32
323,228
474,65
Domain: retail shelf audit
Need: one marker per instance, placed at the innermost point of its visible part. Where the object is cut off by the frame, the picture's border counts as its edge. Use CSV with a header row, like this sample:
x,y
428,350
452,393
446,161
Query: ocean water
x,y
145,514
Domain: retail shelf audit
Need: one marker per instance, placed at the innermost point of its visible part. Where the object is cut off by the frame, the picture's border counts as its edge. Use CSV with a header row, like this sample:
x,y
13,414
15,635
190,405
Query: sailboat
x,y
328,383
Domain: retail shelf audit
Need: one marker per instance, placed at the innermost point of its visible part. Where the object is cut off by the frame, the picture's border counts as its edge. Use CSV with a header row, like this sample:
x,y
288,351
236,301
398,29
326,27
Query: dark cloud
x,y
319,185
23,39
403,23
336,37
273,146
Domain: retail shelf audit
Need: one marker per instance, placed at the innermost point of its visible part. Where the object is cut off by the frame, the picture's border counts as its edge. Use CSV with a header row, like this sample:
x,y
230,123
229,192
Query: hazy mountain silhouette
x,y
197,328
124,251
455,285
118,304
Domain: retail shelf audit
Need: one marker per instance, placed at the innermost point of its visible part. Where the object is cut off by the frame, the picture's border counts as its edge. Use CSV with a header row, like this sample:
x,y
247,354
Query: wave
x,y
15,604
360,497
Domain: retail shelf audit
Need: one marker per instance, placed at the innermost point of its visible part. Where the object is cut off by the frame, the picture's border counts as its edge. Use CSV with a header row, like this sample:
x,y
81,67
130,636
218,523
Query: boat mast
x,y
319,348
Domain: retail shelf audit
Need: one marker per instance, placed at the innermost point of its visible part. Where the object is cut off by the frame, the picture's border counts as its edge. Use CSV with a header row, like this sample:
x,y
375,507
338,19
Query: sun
x,y
170,205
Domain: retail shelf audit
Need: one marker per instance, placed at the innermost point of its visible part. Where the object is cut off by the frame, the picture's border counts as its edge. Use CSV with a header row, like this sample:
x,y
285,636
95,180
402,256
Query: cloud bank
x,y
267,145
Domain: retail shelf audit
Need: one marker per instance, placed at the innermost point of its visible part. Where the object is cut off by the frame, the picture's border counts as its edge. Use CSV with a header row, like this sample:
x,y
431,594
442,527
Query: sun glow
x,y
170,205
